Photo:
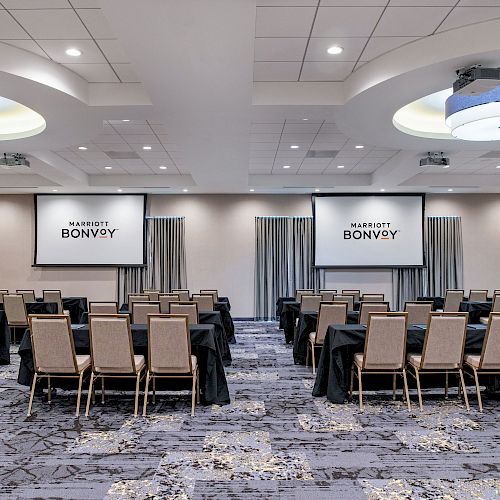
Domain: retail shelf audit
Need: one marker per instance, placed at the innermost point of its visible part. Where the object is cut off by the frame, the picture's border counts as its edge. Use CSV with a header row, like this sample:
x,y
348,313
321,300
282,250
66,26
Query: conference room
x,y
249,249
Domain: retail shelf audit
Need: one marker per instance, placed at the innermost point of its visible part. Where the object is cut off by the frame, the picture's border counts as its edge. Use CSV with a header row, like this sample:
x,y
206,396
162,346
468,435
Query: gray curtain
x,y
283,261
165,259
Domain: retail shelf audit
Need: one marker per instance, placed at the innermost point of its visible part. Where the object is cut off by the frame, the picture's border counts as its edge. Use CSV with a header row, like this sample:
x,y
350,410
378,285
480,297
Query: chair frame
x,y
41,375
478,290
204,294
149,302
372,304
396,371
458,371
362,298
150,375
351,291
26,290
60,296
445,297
308,291
214,293
103,302
178,291
94,376
309,295
12,327
2,293
419,302
185,303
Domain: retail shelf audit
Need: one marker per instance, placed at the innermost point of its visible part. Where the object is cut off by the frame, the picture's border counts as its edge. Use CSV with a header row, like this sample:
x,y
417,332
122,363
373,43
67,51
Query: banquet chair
x,y
15,311
2,293
107,307
327,295
478,295
371,307
384,352
452,301
488,362
345,298
28,295
372,297
496,292
443,350
214,293
310,303
140,311
330,313
169,354
112,353
190,309
418,312
136,297
152,294
355,293
56,297
51,330
205,301
302,291
165,299
495,307
182,293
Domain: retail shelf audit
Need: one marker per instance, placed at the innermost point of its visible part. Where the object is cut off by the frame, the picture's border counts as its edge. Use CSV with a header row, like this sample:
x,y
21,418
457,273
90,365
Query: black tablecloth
x,y
225,300
279,305
307,324
204,346
39,307
4,340
342,342
224,309
76,306
476,310
437,302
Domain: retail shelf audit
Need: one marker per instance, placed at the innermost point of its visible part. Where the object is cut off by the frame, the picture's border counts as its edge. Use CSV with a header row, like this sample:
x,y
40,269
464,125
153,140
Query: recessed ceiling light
x,y
316,190
286,166
120,190
382,190
498,166
73,52
335,50
83,148
450,190
294,146
125,120
359,146
340,166
146,148
163,167
108,167
185,190
252,190
54,190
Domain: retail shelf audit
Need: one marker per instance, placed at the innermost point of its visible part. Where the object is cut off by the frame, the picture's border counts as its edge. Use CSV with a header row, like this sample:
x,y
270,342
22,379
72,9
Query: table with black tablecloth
x,y
343,341
224,307
476,310
226,301
76,306
204,346
307,324
279,306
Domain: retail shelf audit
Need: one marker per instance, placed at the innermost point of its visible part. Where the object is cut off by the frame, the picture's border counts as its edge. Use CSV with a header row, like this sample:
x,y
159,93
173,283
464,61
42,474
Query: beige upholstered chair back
x,y
15,309
310,302
303,291
478,295
165,299
182,293
496,292
444,341
214,293
152,294
345,298
418,312
385,342
330,313
136,297
495,306
54,296
371,307
103,307
2,293
189,309
111,343
52,342
140,311
355,293
327,295
169,344
452,300
205,301
490,355
28,295
372,297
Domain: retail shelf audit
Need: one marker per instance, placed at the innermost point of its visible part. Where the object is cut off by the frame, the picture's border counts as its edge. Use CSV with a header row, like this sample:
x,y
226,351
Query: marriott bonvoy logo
x,y
88,230
370,231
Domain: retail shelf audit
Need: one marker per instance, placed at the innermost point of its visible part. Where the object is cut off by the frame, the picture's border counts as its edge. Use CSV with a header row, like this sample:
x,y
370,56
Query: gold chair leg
x,y
446,386
313,356
479,399
136,402
154,390
79,395
360,391
145,395
466,399
32,394
49,391
193,395
417,377
407,392
89,397
102,390
198,384
394,387
352,381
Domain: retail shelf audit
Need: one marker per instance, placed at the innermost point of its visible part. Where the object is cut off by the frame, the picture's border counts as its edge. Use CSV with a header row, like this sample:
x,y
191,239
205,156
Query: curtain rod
x,y
165,217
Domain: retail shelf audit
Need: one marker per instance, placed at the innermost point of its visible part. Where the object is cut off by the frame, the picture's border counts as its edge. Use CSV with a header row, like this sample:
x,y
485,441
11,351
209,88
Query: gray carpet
x,y
274,441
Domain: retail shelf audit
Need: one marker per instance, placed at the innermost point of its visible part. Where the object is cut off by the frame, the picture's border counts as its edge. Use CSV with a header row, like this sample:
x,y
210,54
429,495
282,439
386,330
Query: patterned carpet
x,y
274,441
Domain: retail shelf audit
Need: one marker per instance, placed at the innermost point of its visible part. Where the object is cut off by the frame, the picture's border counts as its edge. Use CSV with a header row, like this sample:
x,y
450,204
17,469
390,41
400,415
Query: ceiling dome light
x,y
82,148
286,166
359,146
382,190
120,190
294,146
252,190
108,168
335,50
146,148
163,167
73,52
18,121
316,190
185,190
340,166
450,190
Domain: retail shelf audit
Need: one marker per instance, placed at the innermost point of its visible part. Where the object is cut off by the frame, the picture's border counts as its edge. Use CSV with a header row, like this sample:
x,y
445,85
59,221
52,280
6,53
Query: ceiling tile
x,y
94,73
36,4
301,128
51,24
96,23
462,16
326,71
56,49
346,21
297,137
284,21
265,137
280,49
286,3
427,3
28,45
9,28
474,3
86,4
264,128
113,51
126,73
276,71
317,49
132,128
358,3
145,139
380,45
108,139
410,21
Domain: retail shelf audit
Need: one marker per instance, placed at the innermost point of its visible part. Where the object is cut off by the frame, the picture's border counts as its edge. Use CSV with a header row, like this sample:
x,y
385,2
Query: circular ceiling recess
x,y
425,117
18,121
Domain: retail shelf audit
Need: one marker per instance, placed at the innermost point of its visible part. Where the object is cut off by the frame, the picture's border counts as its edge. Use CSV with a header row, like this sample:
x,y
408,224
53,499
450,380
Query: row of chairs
x,y
29,296
205,301
311,302
329,294
183,293
112,354
453,298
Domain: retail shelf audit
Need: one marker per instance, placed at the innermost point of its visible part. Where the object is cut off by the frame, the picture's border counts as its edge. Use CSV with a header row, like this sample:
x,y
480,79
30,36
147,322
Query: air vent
x,y
123,155
321,153
491,154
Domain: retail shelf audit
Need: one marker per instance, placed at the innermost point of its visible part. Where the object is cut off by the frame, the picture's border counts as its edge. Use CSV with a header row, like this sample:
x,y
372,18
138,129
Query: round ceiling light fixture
x,y
73,52
335,50
18,121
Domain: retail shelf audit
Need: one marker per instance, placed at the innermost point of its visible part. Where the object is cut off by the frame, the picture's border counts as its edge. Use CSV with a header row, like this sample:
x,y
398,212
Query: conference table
x,y
475,309
204,346
224,307
343,341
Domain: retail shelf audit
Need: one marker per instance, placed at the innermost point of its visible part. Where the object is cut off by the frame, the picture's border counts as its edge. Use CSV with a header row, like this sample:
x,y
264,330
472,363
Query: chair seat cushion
x,y
312,337
472,360
483,321
414,359
139,362
83,362
194,362
358,359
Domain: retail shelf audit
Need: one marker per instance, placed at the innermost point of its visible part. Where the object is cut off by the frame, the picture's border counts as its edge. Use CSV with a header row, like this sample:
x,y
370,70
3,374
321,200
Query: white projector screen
x,y
89,230
368,230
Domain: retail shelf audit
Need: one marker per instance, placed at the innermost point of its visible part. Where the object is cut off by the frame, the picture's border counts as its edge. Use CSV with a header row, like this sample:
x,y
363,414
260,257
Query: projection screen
x,y
89,230
368,230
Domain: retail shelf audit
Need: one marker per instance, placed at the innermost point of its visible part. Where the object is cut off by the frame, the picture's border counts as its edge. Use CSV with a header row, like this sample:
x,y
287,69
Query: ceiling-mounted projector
x,y
435,160
13,160
476,80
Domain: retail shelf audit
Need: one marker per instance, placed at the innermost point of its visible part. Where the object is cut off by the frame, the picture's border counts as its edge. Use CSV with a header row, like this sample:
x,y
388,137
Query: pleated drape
x,y
165,259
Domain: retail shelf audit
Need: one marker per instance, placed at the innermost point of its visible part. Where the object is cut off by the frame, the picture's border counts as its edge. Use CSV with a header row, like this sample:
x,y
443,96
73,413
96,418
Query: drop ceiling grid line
x,y
308,40
278,146
315,136
445,17
164,148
